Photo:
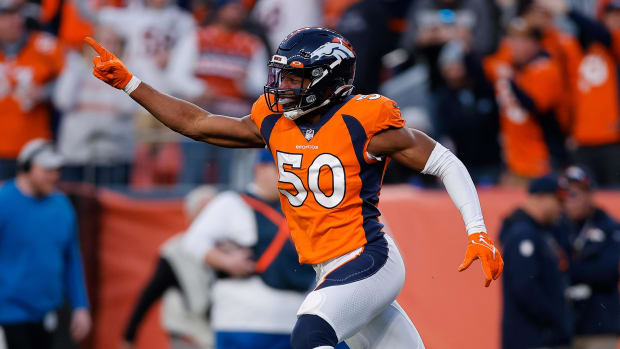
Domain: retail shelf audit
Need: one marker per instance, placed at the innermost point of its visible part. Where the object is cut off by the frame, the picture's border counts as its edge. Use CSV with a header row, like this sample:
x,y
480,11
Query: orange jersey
x,y
329,184
22,79
224,58
334,9
595,92
559,45
523,143
72,27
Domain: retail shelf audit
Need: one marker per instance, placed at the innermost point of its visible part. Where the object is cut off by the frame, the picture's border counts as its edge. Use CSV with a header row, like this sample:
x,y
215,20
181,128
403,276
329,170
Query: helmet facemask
x,y
282,99
294,101
313,68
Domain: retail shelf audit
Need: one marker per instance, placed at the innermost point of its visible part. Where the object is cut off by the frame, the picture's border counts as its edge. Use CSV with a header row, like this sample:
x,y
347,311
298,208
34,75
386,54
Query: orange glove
x,y
481,247
107,67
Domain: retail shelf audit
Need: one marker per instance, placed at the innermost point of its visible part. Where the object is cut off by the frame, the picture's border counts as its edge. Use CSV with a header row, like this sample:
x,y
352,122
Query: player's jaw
x,y
290,93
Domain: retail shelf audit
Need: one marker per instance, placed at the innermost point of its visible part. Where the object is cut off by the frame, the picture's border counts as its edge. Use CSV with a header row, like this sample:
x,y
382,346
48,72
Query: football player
x,y
331,149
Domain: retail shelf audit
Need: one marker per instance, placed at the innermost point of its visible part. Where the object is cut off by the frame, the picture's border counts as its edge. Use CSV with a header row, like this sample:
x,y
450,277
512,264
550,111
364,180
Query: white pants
x,y
356,295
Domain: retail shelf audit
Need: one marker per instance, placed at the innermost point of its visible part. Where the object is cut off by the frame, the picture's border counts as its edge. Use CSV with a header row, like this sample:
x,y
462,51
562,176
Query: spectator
x,y
29,62
433,23
156,32
558,45
374,29
593,65
97,131
62,18
39,253
536,313
158,37
527,93
229,63
282,17
256,305
333,11
595,238
466,114
184,284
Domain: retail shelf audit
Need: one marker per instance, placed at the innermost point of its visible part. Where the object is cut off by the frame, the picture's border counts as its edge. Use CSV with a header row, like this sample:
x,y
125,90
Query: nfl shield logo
x,y
309,134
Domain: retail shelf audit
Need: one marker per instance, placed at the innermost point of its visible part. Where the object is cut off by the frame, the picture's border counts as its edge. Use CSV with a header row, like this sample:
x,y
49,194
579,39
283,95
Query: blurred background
x,y
519,90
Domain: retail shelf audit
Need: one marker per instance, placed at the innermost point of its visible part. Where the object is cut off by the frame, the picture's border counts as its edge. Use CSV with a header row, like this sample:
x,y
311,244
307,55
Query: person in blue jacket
x,y
536,313
39,254
595,258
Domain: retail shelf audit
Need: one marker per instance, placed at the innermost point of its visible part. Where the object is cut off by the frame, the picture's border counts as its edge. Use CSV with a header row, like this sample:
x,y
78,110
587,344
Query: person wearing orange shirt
x,y
593,59
228,64
526,84
331,149
558,44
29,62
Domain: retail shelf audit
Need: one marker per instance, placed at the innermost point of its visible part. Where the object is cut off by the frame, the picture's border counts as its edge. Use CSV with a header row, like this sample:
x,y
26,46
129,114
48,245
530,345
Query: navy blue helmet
x,y
323,64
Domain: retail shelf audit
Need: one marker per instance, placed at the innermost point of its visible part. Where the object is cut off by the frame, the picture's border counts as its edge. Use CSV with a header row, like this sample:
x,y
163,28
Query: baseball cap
x,y
41,152
549,184
576,174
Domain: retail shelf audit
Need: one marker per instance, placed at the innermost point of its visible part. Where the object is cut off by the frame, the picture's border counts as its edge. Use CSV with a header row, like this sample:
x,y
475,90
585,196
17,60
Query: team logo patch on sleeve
x,y
526,248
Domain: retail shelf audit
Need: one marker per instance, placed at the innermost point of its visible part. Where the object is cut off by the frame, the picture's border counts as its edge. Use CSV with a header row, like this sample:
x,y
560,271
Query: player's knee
x,y
312,332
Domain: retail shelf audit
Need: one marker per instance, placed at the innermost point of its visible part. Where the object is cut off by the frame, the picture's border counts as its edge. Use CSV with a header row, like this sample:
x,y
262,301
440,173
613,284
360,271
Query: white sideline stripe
x,y
3,344
321,347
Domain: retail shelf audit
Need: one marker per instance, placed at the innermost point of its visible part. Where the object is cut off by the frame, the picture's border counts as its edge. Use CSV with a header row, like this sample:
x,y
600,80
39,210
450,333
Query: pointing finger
x,y
105,54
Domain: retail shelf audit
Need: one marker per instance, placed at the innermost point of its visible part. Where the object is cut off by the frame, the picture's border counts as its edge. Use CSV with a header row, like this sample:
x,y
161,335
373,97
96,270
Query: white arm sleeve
x,y
227,217
445,165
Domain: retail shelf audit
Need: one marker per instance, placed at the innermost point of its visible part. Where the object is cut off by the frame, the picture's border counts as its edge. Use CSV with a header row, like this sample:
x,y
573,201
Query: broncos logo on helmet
x,y
335,49
325,63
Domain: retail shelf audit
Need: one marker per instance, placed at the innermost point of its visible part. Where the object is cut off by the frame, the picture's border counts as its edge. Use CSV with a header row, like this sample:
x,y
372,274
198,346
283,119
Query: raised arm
x,y
415,149
179,115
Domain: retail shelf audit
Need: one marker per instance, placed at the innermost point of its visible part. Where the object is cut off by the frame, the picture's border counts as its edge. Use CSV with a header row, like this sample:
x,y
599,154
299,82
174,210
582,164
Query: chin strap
x,y
342,91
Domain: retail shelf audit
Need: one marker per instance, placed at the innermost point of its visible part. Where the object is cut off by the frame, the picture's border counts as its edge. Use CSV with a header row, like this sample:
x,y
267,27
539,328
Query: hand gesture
x,y
239,262
481,247
107,67
80,324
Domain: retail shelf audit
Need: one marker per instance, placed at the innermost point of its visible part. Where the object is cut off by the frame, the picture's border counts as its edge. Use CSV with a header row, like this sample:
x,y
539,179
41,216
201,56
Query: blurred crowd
x,y
516,88
560,281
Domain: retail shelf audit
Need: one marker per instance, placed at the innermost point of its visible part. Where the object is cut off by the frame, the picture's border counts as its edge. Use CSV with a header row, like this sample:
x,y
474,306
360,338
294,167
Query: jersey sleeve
x,y
498,64
377,113
49,47
226,217
389,117
259,112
